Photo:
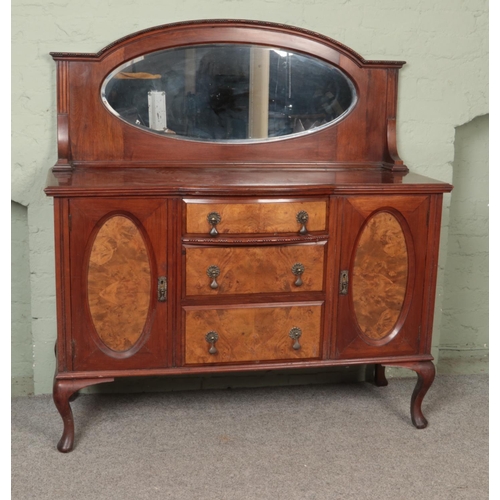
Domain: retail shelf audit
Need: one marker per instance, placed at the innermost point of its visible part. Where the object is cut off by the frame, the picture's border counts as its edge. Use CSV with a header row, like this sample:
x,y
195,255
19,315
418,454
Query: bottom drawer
x,y
232,334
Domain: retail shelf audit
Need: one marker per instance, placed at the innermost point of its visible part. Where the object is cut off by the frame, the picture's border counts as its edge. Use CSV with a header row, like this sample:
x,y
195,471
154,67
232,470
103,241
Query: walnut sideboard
x,y
228,197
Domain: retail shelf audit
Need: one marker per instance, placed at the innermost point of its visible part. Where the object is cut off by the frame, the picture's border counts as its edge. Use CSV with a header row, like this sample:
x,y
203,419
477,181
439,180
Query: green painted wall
x,y
464,329
21,339
443,86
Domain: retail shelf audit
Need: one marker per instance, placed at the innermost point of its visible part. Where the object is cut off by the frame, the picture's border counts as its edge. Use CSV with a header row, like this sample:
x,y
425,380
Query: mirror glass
x,y
228,93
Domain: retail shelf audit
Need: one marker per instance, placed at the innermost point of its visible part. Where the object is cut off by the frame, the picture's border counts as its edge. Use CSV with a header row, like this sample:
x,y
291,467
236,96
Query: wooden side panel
x,y
254,269
119,283
252,333
63,283
379,275
252,217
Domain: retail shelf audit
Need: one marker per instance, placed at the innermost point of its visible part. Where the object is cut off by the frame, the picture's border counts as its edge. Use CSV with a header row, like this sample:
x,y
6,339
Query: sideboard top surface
x,y
196,180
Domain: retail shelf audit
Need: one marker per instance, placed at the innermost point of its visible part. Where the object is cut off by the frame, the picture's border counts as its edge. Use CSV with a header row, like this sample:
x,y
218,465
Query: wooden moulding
x,y
394,162
63,147
243,367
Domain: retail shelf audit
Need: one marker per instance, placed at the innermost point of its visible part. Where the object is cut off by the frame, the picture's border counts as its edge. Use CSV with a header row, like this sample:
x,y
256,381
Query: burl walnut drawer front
x,y
255,217
236,270
242,334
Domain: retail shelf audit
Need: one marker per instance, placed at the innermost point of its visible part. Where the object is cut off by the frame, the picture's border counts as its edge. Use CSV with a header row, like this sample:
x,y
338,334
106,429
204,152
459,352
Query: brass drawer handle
x,y
298,269
302,218
213,218
212,338
295,334
213,272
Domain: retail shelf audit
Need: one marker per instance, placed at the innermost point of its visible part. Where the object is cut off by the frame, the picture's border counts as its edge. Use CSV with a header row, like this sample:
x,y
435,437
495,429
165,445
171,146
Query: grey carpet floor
x,y
338,441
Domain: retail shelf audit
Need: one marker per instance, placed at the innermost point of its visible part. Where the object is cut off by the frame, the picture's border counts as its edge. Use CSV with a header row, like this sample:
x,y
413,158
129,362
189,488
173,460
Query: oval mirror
x,y
228,93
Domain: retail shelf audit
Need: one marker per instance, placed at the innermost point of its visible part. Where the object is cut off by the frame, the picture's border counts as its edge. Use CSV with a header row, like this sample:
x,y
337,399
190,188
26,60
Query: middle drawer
x,y
250,269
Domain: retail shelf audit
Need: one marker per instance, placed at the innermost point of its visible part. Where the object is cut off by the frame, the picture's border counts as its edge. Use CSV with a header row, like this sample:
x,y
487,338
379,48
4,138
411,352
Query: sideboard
x,y
228,197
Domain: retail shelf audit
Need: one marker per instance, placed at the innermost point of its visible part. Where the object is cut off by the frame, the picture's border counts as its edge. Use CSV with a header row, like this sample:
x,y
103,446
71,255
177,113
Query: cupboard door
x,y
118,253
382,273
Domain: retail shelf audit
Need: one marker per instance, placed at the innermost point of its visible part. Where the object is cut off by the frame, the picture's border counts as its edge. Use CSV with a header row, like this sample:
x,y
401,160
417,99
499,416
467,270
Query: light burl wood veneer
x,y
257,333
380,275
119,283
252,269
255,217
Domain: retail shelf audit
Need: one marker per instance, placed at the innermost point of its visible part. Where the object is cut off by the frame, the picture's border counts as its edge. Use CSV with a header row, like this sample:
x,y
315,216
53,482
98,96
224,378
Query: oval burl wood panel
x,y
252,333
119,283
256,217
254,269
379,275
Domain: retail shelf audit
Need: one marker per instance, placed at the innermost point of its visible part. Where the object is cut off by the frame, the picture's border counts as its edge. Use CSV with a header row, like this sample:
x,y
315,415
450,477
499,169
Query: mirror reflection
x,y
228,92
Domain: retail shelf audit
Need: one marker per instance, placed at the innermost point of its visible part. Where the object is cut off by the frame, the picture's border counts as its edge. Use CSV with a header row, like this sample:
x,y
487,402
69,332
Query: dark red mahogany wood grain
x,y
108,168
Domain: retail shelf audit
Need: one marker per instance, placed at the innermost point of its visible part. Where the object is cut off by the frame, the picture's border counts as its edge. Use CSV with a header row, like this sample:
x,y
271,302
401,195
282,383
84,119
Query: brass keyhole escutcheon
x,y
344,282
162,289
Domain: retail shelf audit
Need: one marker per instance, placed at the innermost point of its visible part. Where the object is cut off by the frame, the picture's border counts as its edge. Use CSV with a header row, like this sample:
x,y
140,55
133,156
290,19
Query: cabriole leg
x,y
379,378
63,390
426,372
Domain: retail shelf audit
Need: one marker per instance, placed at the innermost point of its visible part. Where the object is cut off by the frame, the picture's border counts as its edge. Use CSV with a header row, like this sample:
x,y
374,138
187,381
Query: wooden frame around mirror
x,y
90,135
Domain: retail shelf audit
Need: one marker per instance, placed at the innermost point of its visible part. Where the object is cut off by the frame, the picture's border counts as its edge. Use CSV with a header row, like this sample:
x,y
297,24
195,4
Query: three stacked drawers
x,y
263,260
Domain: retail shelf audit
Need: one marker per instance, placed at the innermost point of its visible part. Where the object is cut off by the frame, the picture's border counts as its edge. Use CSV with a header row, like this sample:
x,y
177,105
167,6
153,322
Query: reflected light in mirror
x,y
228,93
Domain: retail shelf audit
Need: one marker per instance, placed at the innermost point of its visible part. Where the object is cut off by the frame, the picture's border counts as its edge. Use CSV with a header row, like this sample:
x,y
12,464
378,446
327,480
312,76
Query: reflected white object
x,y
282,53
157,107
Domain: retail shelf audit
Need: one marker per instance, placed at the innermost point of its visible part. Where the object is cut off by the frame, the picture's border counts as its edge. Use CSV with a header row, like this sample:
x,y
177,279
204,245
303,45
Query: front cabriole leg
x,y
63,390
426,372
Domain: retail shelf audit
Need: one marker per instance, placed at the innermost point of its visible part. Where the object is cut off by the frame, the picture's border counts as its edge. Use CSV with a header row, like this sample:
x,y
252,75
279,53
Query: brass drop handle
x,y
295,334
298,269
212,338
302,218
213,272
213,219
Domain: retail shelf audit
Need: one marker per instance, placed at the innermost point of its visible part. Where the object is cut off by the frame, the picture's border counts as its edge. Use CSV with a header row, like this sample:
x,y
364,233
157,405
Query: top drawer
x,y
214,217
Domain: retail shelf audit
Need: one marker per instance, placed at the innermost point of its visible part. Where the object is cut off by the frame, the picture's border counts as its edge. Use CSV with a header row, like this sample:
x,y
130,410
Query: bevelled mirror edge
x,y
229,93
